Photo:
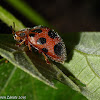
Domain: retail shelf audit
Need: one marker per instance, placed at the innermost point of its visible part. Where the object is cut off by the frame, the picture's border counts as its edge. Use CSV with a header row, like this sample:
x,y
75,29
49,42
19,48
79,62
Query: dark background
x,y
64,15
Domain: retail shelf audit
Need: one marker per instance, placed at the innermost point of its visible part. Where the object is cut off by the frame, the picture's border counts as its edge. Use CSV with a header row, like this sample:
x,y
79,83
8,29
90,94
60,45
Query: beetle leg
x,y
22,42
19,44
29,47
46,59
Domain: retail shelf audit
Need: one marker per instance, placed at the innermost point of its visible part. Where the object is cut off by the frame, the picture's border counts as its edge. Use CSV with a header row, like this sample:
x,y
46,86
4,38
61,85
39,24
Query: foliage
x,y
80,71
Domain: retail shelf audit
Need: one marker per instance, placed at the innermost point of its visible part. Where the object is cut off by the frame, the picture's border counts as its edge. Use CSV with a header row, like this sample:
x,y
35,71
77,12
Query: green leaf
x,y
85,64
15,82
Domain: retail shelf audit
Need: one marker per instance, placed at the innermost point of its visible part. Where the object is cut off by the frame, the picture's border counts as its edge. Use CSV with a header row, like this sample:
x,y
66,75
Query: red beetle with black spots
x,y
45,40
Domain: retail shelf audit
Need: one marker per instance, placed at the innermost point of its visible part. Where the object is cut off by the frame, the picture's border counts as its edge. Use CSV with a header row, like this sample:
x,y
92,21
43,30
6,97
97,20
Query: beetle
x,y
45,40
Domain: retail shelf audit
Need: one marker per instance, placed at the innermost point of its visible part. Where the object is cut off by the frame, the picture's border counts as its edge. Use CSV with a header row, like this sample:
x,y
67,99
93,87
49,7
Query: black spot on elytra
x,y
22,34
52,34
41,41
58,49
31,35
37,30
45,50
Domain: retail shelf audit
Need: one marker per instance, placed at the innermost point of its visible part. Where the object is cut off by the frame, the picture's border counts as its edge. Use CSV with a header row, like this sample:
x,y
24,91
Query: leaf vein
x,y
91,80
95,90
91,67
81,71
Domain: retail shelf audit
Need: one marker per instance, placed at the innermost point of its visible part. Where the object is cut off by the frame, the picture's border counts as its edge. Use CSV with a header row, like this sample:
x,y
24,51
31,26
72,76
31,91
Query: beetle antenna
x,y
13,28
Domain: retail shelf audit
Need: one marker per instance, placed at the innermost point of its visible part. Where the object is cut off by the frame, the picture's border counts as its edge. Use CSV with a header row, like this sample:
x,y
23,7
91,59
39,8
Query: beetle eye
x,y
22,34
